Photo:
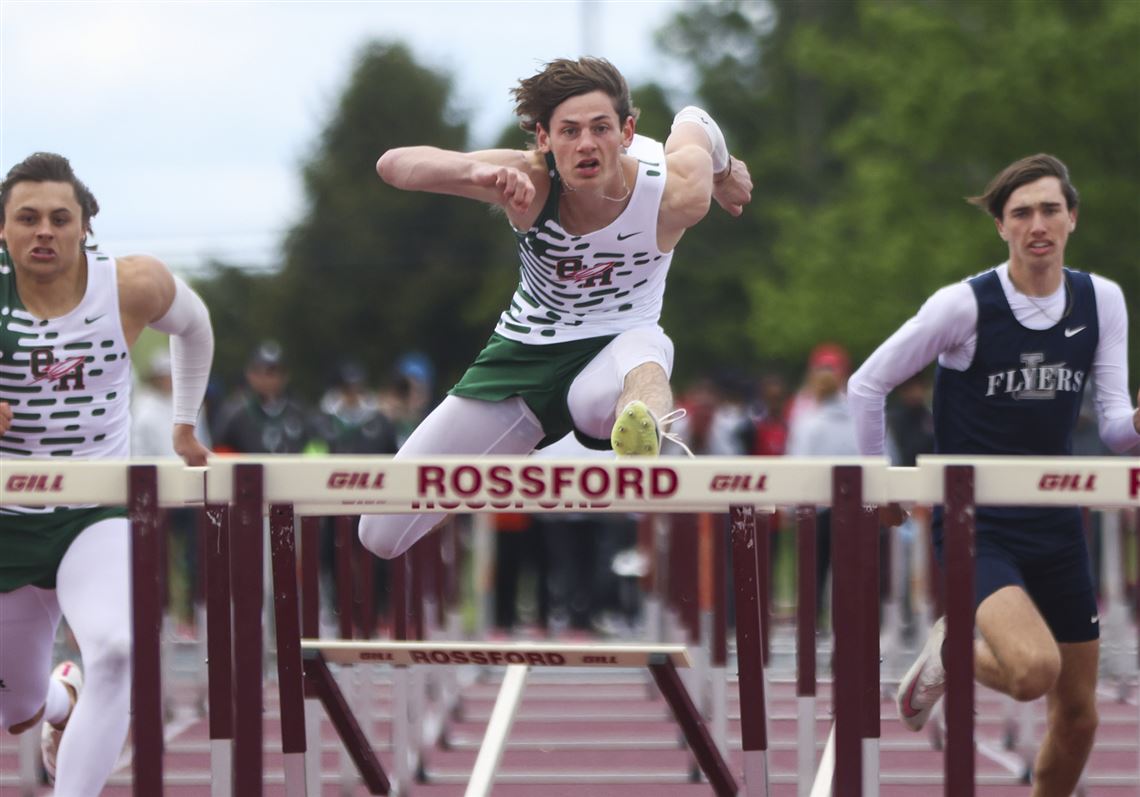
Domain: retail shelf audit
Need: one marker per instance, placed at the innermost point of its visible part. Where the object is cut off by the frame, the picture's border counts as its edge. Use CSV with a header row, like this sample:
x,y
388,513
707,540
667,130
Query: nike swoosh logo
x,y
908,707
1070,332
623,237
92,320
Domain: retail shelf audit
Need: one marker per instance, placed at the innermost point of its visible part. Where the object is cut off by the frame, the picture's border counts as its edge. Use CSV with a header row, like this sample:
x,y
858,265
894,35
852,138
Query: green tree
x,y
866,123
371,272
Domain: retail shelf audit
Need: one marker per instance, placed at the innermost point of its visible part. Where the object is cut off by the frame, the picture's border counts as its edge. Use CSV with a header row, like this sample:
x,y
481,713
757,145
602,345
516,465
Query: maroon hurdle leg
x,y
247,583
146,599
403,625
958,542
684,553
219,650
869,689
764,530
310,580
310,629
806,611
847,664
696,734
283,558
351,734
718,653
342,547
749,656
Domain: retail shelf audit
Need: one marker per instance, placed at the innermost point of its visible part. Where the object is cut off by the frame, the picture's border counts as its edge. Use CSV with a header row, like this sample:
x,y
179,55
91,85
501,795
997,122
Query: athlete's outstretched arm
x,y
701,170
503,177
944,323
151,296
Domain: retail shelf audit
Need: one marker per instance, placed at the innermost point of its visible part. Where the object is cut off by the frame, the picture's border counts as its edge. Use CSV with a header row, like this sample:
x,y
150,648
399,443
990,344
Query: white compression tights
x,y
479,428
93,592
456,426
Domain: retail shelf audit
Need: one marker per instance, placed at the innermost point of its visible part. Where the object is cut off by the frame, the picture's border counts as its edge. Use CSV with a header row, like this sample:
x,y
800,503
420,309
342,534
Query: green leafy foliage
x,y
873,120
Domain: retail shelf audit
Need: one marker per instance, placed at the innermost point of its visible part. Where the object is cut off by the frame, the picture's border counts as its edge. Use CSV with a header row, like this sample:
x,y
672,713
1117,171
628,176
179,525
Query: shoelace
x,y
671,418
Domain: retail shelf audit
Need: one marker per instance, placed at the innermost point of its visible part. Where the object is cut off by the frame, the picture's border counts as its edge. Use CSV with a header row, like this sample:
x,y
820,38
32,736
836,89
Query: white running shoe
x,y
69,674
925,682
637,433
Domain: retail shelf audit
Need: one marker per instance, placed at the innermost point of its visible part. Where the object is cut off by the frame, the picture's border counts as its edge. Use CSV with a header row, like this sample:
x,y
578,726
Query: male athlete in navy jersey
x,y
1016,346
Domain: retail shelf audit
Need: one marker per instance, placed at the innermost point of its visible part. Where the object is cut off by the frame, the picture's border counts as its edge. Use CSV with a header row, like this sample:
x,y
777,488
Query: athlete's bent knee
x,y
389,536
109,661
1035,677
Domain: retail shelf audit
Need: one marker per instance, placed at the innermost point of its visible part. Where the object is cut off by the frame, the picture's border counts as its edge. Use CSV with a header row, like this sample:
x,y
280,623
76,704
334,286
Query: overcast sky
x,y
188,120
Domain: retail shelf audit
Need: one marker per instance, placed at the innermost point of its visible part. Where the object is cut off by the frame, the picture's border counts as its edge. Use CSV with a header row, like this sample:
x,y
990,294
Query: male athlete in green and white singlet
x,y
596,211
68,317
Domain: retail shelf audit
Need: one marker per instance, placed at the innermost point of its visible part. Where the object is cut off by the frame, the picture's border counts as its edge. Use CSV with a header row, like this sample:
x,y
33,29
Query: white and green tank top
x,y
605,282
68,379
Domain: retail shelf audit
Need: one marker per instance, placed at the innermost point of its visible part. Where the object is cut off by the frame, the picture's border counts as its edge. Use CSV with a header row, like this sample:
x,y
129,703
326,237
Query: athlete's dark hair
x,y
536,97
47,167
1023,172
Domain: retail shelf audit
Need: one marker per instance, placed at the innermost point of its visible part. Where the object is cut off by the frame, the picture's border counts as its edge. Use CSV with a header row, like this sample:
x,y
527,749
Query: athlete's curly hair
x,y
537,96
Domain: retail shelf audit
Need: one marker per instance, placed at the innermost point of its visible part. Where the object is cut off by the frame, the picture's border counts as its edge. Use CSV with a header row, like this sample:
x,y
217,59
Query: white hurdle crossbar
x,y
354,485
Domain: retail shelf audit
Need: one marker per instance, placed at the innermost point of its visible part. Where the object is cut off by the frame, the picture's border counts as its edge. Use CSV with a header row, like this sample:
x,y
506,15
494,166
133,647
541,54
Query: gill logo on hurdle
x,y
1134,486
34,483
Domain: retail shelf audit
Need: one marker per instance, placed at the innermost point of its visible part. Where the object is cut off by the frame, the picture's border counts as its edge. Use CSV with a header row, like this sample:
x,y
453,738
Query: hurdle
x,y
665,486
354,485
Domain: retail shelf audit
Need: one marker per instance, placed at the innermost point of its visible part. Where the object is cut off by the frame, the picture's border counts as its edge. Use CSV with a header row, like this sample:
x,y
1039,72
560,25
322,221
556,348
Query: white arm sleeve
x,y
694,115
191,350
1110,369
945,325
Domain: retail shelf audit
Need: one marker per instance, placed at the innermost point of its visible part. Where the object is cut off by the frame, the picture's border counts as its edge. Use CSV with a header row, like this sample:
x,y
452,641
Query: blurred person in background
x,y
821,426
262,418
152,414
770,425
407,397
910,432
351,422
716,421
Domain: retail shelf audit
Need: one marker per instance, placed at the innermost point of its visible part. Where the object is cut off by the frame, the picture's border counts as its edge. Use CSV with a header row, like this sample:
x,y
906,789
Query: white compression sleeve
x,y
191,350
694,115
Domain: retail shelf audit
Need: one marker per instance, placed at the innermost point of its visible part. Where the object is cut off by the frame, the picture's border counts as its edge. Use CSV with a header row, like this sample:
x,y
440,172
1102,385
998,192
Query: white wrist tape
x,y
191,350
694,115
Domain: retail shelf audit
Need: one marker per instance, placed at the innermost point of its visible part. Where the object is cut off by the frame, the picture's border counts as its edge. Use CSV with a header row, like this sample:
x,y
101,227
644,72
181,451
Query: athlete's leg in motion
x,y
29,617
629,374
1017,654
1071,721
456,426
649,384
93,588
